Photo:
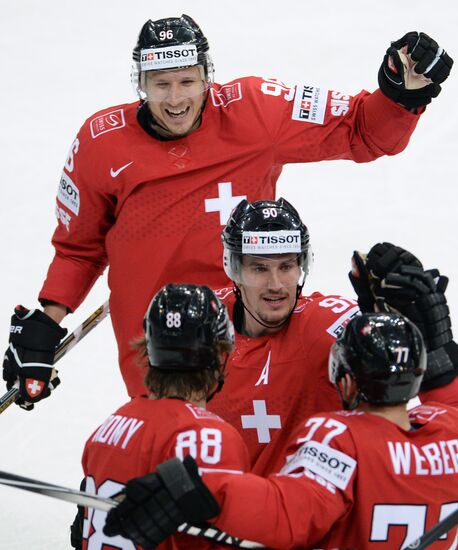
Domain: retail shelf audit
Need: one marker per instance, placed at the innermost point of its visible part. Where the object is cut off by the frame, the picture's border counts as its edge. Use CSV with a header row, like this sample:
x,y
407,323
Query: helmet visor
x,y
273,271
174,85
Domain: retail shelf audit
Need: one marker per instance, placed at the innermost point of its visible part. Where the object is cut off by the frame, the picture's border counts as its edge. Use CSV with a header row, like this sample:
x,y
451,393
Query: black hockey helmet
x,y
264,227
167,44
185,327
384,353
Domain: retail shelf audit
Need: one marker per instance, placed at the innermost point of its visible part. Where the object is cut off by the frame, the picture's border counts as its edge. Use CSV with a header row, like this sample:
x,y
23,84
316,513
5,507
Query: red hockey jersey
x,y
153,210
352,481
275,381
139,436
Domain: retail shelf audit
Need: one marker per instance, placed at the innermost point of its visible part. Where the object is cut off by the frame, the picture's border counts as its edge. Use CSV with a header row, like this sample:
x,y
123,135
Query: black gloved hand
x,y
368,270
155,505
413,69
419,296
393,279
30,355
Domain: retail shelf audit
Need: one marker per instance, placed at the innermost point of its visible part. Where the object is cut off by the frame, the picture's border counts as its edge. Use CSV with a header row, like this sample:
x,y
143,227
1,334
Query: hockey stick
x,y
66,345
55,491
434,533
105,504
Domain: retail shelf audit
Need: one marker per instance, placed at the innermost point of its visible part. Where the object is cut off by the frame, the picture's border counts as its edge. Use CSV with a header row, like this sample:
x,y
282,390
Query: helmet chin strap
x,y
220,384
238,295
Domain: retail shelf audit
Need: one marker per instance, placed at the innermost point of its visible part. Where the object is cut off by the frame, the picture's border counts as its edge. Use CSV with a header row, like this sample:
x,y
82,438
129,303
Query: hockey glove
x,y
368,270
413,69
420,296
155,505
30,355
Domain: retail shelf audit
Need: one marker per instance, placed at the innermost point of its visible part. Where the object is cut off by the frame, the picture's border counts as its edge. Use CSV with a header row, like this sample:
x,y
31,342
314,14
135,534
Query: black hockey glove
x,y
420,296
393,279
155,505
30,355
413,69
368,270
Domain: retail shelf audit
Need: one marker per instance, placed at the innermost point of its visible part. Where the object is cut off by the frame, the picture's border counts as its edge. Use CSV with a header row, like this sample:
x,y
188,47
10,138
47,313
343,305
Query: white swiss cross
x,y
261,421
225,202
34,387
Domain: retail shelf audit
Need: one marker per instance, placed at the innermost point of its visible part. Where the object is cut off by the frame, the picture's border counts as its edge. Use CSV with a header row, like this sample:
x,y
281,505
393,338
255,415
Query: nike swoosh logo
x,y
115,173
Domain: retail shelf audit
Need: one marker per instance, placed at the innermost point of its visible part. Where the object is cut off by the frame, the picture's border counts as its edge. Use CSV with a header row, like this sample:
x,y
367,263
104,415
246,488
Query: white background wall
x,y
61,61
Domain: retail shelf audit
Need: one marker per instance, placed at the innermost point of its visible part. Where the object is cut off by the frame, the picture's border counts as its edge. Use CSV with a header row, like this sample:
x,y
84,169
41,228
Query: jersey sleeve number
x,y
337,305
204,444
412,516
96,539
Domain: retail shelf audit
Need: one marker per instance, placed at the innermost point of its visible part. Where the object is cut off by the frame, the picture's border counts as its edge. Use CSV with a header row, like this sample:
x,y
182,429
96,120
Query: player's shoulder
x,y
329,313
109,121
241,91
434,413
226,295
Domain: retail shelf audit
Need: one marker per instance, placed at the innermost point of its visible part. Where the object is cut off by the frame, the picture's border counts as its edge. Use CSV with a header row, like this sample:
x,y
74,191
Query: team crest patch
x,y
34,387
226,94
309,104
108,122
200,413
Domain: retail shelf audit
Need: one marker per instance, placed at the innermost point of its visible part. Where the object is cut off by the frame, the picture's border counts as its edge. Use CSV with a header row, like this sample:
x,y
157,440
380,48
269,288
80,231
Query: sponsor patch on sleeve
x,y
68,194
108,122
337,327
309,104
328,463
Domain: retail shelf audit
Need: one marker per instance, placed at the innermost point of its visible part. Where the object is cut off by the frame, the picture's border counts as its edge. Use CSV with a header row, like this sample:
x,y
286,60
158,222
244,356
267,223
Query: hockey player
x,y
147,185
283,338
370,476
188,337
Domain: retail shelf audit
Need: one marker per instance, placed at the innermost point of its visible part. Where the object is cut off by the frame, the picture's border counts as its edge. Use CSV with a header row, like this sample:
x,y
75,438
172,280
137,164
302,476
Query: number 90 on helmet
x,y
384,353
265,228
170,44
187,328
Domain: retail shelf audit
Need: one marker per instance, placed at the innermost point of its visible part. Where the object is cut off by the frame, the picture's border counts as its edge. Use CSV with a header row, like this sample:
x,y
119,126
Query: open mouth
x,y
177,114
274,301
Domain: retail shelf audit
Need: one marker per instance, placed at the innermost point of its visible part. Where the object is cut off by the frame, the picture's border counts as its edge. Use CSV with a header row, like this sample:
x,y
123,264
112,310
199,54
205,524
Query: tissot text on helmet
x,y
172,57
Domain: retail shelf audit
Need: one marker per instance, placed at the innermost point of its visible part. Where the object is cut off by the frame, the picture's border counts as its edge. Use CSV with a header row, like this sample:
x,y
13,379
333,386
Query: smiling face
x,y
268,286
175,98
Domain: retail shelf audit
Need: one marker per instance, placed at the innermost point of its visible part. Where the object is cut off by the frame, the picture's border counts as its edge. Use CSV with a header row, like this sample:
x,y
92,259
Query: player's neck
x,y
195,399
253,329
396,413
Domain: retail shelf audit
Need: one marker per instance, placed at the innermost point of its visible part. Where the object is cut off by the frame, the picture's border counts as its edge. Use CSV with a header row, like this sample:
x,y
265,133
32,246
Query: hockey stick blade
x,y
434,533
63,348
55,491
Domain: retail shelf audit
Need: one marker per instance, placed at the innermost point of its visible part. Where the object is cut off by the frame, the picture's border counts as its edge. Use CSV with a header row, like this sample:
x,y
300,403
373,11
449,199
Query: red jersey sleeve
x,y
447,394
310,124
299,505
85,212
